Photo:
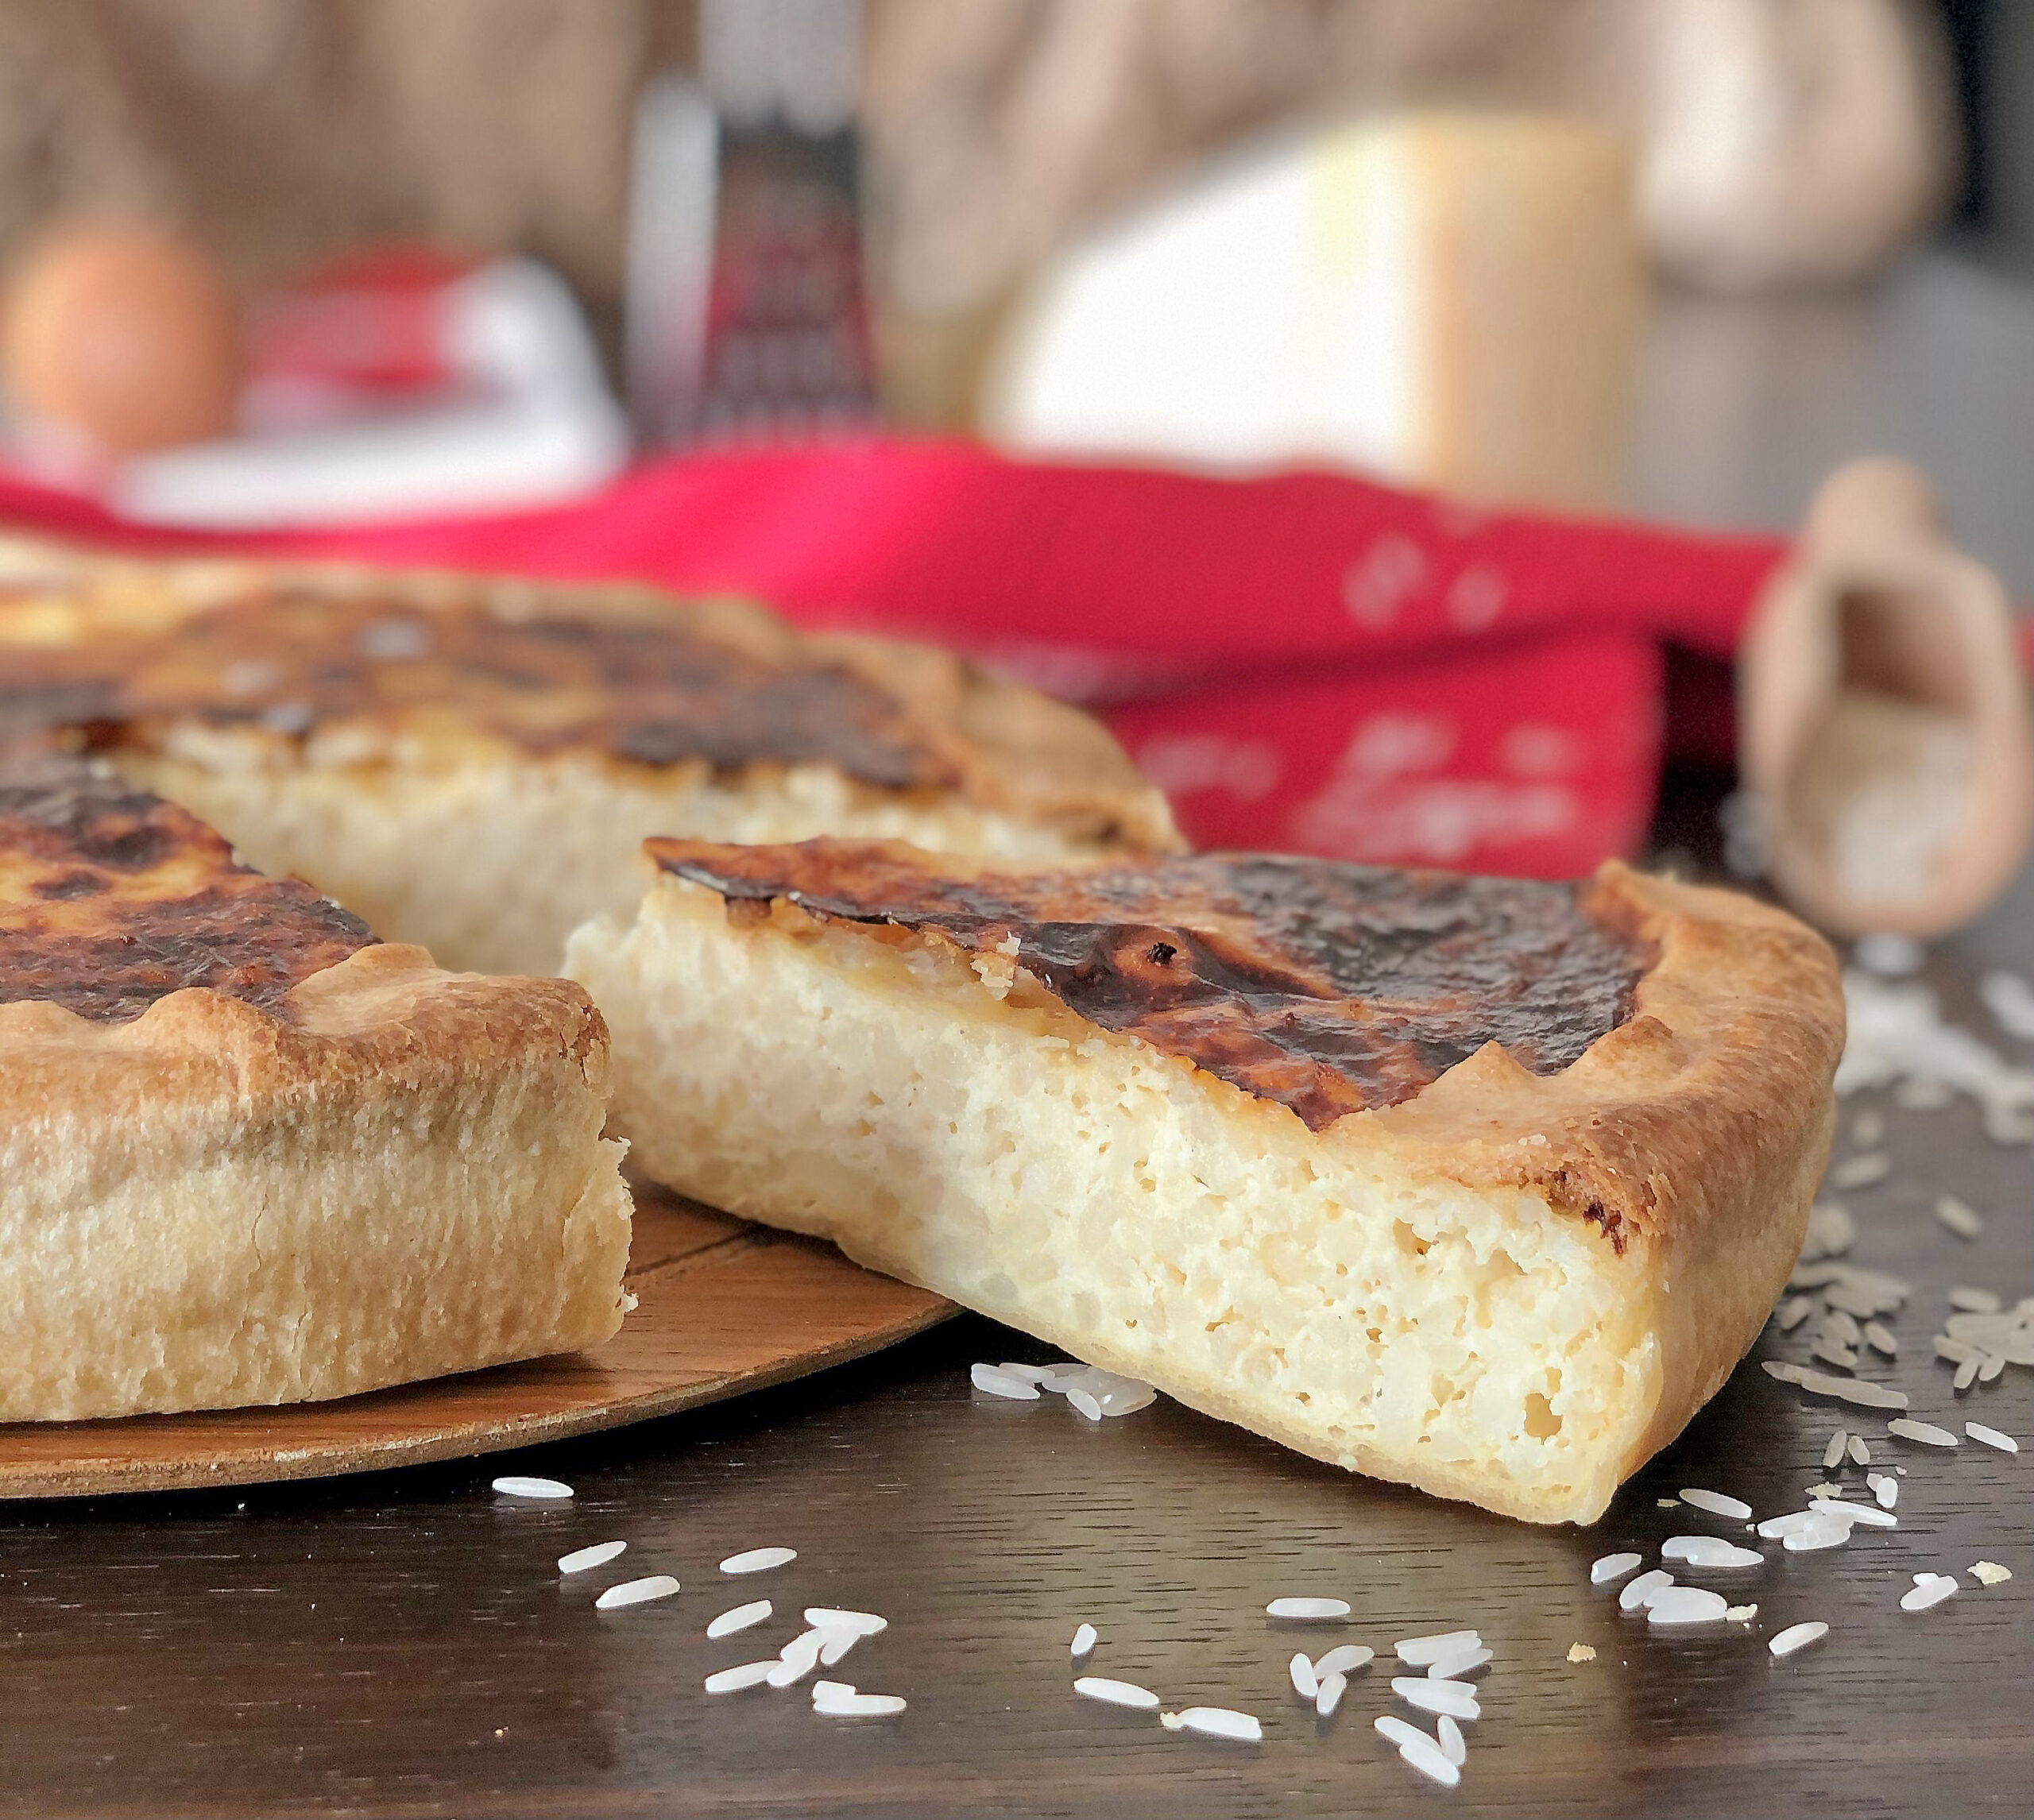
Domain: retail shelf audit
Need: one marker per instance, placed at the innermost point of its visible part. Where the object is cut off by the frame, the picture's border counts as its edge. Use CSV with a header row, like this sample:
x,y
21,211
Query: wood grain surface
x,y
401,1644
722,1307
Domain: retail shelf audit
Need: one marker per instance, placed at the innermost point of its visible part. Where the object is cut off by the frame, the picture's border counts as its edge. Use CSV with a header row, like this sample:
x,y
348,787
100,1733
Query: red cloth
x,y
1308,661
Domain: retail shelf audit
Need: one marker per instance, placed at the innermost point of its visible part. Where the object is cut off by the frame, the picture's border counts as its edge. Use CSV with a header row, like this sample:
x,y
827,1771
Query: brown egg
x,y
124,334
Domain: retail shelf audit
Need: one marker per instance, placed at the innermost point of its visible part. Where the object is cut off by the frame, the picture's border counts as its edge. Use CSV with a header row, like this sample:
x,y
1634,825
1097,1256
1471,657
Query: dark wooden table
x,y
402,1643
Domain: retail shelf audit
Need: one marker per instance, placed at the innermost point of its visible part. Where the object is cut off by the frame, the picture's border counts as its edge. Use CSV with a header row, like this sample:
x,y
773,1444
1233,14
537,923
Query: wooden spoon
x,y
1884,724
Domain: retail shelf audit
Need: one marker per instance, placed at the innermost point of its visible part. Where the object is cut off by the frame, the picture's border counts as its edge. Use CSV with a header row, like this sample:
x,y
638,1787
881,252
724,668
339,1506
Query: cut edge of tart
x,y
472,762
1501,1272
250,1155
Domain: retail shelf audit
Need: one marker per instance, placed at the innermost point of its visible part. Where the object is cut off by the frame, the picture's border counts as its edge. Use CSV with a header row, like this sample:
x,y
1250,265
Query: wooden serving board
x,y
723,1307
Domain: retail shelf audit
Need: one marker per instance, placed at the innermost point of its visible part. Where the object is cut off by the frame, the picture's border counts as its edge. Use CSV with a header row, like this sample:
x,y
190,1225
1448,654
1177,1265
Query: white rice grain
x,y
1305,1682
742,1618
1709,1551
798,1658
1448,1697
598,1555
1716,1502
1991,1437
1879,1339
1833,1453
1637,1592
1959,1216
1862,1172
733,1680
1885,1488
1860,1455
832,1617
1872,1516
1084,1403
1390,1726
1822,1531
1932,1592
833,1644
636,1592
1430,1760
1308,1610
758,1560
1330,1696
1454,1667
993,1380
1449,1735
1343,1658
1085,1641
1686,1605
1221,1722
515,1485
1927,1433
1422,1650
1116,1693
857,1706
1608,1567
1798,1636
1794,1310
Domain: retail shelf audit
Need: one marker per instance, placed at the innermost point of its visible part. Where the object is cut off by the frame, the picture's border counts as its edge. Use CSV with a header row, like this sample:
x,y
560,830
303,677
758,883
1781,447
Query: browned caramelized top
x,y
111,898
1328,987
651,686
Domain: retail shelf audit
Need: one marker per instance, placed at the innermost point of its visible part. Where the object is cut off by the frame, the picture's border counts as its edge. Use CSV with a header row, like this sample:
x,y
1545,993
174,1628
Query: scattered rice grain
x,y
733,1680
1991,1437
857,1706
598,1555
1449,1697
740,1618
1449,1736
1308,1610
1085,1641
1714,1501
1607,1567
514,1485
1931,1594
1685,1605
1798,1636
1221,1722
1343,1658
637,1592
1430,1761
1959,1216
1305,1682
1927,1433
758,1560
1422,1650
1332,1686
993,1380
832,1617
1637,1592
1113,1693
1454,1667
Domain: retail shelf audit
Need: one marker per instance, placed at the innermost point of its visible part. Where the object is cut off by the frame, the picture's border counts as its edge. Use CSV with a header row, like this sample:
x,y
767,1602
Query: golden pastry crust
x,y
251,1155
1662,1177
425,664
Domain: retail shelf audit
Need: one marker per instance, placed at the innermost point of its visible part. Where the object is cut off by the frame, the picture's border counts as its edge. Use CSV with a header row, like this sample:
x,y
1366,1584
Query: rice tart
x,y
1483,1185
472,763
252,1155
